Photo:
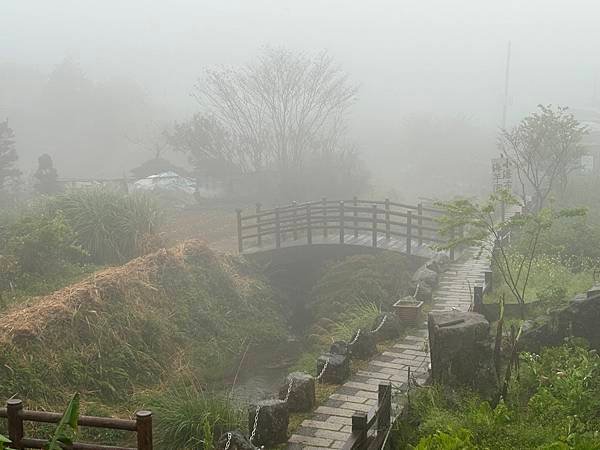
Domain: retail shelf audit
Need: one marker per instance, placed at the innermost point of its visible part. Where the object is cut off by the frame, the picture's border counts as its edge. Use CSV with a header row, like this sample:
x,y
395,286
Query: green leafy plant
x,y
4,441
66,430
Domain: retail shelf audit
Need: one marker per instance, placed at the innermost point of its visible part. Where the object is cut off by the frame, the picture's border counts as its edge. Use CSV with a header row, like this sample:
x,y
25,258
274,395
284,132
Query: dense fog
x,y
93,84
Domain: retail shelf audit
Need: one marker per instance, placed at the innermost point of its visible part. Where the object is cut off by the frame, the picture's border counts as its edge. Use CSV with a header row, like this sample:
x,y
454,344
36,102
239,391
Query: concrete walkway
x,y
330,424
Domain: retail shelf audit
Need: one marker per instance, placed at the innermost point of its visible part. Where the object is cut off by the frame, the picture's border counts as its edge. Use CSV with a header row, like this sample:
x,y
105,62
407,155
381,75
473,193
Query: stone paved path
x,y
330,424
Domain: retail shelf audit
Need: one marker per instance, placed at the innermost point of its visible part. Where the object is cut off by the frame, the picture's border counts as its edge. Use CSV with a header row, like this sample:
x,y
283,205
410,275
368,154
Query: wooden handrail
x,y
16,415
382,219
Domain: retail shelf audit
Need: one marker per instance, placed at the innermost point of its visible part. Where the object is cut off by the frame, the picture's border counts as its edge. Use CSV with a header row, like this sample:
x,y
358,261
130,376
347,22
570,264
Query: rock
x,y
338,368
438,263
390,329
460,349
238,441
272,425
339,348
364,346
425,276
302,393
424,293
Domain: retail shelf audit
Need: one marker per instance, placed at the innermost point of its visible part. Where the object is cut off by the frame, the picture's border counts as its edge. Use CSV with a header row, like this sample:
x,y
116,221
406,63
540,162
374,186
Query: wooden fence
x,y
345,219
370,429
16,416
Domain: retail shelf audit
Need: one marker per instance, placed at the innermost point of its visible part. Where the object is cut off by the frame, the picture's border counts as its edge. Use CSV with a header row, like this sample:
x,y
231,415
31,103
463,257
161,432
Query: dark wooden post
x,y
258,227
14,407
359,429
308,225
420,222
384,405
477,298
409,232
355,214
143,424
341,222
239,230
295,230
324,202
277,229
488,280
374,226
387,218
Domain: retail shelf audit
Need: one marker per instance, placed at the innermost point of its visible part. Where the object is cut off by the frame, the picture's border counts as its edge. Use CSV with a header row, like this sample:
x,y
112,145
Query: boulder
x,y
238,441
272,424
301,394
339,348
364,345
460,348
338,368
438,263
425,276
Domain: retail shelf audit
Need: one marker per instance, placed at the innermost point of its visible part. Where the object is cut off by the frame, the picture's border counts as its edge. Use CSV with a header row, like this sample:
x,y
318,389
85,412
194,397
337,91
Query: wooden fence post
x,y
409,232
277,229
258,227
15,422
359,428
387,218
341,222
374,225
477,298
143,421
355,214
420,222
384,405
295,230
488,280
239,230
324,202
308,225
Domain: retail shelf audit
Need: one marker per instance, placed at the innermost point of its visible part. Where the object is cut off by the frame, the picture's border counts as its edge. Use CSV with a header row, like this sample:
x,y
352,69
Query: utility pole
x,y
506,77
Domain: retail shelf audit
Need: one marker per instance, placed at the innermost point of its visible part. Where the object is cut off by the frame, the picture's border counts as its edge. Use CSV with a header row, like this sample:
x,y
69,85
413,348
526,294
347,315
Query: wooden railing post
x,y
258,227
420,222
409,232
15,422
277,229
387,218
341,222
355,214
374,243
324,202
359,429
477,298
308,225
143,420
239,230
488,280
295,230
384,405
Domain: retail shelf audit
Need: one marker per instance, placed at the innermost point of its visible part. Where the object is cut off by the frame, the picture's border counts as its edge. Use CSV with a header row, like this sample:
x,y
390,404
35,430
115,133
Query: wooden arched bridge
x,y
409,229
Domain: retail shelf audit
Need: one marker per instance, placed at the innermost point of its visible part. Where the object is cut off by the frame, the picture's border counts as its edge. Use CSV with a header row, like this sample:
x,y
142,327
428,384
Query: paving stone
x,y
335,435
348,398
310,440
340,419
332,426
335,411
379,375
338,444
363,386
356,407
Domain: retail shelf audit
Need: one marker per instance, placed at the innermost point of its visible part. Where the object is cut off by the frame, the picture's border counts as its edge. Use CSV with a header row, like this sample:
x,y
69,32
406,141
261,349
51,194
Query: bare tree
x,y
544,149
280,109
8,154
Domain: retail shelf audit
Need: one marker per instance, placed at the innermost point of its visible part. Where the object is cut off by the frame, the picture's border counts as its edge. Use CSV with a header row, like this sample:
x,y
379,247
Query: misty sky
x,y
440,56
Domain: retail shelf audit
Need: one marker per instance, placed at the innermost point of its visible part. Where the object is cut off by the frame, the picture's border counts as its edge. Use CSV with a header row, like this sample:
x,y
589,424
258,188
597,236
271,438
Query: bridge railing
x,y
342,220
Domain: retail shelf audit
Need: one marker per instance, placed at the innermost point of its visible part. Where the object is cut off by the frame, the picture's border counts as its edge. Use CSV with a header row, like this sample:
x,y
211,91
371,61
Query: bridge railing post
x,y
277,229
239,230
409,232
360,429
15,422
308,225
341,222
325,231
374,225
355,214
384,405
420,222
294,223
387,219
258,227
